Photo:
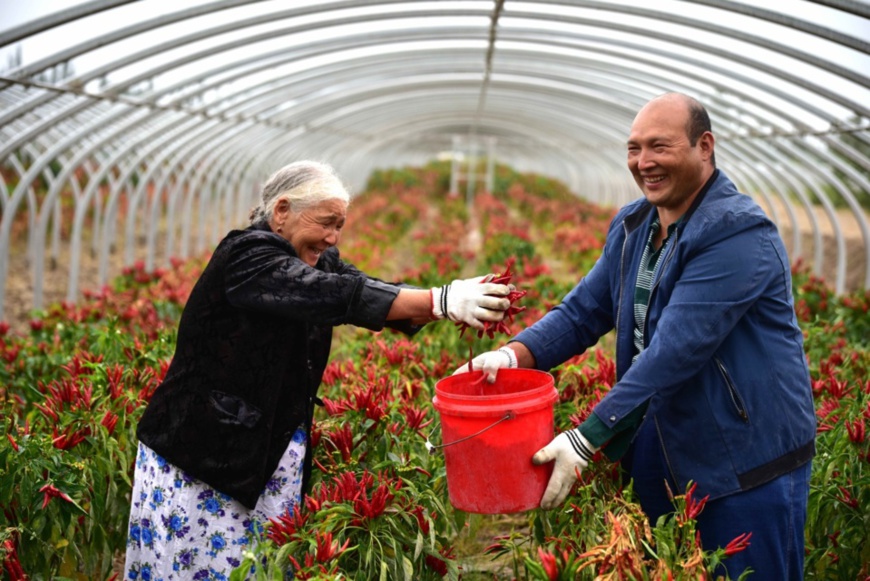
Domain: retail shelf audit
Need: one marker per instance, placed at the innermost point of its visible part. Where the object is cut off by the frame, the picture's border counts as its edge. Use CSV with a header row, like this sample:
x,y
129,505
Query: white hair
x,y
303,184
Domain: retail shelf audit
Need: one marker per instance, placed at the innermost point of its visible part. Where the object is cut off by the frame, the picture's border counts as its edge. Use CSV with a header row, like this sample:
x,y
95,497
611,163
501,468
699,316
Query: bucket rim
x,y
545,399
548,383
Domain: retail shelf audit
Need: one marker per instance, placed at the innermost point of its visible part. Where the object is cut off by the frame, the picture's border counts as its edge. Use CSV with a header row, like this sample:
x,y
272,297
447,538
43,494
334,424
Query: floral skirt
x,y
181,528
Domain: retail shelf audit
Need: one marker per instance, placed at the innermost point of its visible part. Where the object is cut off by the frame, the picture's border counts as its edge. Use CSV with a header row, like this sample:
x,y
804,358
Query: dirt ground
x,y
856,249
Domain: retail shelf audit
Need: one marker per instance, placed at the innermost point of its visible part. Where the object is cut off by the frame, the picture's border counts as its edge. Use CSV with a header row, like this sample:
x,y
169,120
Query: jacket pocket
x,y
739,406
231,409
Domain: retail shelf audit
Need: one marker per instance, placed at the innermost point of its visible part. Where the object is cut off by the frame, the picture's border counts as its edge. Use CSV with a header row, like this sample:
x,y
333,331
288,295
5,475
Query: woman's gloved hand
x,y
490,362
572,453
472,301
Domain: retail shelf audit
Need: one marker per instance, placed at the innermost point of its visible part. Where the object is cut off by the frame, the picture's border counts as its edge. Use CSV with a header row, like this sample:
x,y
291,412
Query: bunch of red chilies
x,y
491,328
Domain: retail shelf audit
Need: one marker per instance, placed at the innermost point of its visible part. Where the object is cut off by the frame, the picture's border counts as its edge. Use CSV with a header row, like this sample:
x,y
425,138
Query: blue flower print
x,y
135,533
216,543
176,526
184,559
147,537
145,572
162,464
156,498
299,436
209,575
211,504
274,485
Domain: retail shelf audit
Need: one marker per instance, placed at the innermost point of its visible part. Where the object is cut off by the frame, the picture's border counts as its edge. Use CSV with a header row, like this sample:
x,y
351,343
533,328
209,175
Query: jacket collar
x,y
262,225
640,215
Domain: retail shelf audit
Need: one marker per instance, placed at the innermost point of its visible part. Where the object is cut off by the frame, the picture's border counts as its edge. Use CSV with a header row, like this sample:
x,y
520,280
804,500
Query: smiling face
x,y
669,170
312,230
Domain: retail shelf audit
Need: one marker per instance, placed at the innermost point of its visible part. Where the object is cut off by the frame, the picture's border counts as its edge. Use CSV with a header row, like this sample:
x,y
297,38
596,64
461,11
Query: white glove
x,y
471,301
572,453
490,362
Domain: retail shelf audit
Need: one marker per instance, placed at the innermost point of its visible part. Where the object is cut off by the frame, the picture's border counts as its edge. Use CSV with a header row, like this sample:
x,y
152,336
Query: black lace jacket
x,y
253,342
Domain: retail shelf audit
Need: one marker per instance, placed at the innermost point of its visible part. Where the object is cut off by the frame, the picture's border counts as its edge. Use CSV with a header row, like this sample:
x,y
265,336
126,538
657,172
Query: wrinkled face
x,y
315,229
668,169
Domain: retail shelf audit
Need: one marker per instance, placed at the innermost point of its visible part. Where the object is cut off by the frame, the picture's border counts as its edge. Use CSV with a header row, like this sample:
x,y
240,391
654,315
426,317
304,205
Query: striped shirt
x,y
649,261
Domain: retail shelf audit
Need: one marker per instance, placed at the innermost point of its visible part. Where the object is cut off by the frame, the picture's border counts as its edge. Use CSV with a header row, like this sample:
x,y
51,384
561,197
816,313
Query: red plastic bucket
x,y
490,431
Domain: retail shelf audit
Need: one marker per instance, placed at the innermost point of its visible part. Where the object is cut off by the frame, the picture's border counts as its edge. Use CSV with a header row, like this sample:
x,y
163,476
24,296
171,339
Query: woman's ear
x,y
282,208
280,213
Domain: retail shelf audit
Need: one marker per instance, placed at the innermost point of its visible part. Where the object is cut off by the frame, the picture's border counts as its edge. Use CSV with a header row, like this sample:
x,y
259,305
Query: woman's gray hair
x,y
303,184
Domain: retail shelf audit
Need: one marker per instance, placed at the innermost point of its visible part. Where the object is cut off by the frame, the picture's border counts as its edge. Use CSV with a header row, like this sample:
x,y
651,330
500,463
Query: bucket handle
x,y
433,448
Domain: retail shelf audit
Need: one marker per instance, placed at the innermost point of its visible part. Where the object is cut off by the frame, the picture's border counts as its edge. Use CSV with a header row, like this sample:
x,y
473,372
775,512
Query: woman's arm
x,y
413,304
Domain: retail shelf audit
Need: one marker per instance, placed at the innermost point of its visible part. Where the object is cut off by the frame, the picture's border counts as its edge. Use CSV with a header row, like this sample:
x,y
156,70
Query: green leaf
x,y
408,568
418,546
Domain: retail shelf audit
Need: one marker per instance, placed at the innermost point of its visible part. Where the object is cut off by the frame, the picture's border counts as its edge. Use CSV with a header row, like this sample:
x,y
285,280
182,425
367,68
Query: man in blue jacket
x,y
712,382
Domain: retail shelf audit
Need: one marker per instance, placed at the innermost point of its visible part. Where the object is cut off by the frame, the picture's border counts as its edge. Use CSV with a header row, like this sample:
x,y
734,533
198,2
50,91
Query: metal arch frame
x,y
758,148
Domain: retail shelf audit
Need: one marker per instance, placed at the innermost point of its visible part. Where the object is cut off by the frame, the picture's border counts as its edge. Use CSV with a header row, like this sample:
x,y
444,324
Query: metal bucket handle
x,y
432,448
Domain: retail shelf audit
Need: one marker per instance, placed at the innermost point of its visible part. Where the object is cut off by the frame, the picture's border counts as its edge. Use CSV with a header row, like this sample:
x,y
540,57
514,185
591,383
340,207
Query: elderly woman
x,y
223,442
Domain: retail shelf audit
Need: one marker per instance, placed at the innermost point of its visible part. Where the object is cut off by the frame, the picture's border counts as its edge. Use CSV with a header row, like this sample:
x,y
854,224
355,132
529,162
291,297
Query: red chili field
x,y
74,384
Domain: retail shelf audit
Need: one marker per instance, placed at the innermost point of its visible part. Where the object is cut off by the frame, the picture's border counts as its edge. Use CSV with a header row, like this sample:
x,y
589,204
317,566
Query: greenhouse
x,y
472,137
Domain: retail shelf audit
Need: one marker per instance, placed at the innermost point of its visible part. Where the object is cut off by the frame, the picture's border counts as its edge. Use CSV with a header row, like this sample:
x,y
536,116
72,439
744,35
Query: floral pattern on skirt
x,y
181,528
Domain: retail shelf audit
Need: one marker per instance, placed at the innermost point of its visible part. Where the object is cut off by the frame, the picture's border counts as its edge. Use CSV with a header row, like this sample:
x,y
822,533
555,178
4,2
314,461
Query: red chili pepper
x,y
47,411
13,442
856,429
549,564
326,549
491,328
49,491
110,420
737,544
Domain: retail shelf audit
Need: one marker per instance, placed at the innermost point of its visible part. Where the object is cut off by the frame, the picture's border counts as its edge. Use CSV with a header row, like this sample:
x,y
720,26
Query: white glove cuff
x,y
581,445
511,355
439,301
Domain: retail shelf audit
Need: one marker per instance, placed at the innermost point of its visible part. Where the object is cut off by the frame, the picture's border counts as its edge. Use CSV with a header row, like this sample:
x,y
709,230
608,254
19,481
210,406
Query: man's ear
x,y
706,143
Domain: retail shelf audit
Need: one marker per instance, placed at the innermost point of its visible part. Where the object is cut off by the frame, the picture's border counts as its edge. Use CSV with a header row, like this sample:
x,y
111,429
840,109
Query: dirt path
x,y
856,251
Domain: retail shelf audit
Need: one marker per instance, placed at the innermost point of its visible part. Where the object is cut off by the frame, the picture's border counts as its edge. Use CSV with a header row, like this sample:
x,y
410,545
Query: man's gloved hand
x,y
490,362
472,301
571,451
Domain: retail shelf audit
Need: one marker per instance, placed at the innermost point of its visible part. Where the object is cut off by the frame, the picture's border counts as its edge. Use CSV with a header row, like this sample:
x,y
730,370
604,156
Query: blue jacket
x,y
723,372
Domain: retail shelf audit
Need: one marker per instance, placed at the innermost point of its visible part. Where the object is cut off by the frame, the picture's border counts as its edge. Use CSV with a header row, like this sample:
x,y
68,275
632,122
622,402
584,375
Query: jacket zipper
x,y
732,391
665,453
657,280
621,283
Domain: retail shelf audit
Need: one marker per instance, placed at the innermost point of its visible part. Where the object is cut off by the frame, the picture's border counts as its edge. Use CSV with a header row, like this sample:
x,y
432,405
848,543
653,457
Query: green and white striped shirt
x,y
649,261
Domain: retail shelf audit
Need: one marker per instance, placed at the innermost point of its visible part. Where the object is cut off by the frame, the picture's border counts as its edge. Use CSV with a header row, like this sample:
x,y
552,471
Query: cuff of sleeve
x,y
375,300
596,431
